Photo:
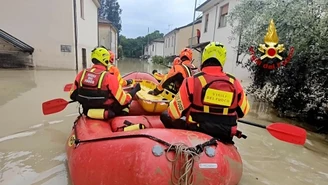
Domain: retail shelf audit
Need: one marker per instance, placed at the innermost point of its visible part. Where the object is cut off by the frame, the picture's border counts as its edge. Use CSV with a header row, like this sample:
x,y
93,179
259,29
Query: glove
x,y
129,81
154,71
137,87
155,92
134,91
239,134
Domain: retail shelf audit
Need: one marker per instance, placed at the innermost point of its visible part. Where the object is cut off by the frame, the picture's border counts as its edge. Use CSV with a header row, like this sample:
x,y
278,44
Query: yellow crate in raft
x,y
151,103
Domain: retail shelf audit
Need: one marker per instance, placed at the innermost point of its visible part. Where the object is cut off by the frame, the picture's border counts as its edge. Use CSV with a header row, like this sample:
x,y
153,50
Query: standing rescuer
x,y
211,100
116,72
177,73
99,92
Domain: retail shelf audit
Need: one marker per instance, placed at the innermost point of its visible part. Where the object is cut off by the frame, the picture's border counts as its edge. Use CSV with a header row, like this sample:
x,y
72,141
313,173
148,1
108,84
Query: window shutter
x,y
224,9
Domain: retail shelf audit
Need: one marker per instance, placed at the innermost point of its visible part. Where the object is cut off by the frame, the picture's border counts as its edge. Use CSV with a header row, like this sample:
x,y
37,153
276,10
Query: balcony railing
x,y
193,41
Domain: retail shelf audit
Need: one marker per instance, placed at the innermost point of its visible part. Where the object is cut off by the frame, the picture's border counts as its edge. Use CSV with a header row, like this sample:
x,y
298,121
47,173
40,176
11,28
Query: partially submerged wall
x,y
15,60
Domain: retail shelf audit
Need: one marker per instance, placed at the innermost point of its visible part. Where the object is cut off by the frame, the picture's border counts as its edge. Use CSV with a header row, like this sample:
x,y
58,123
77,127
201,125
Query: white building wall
x,y
170,49
155,49
104,35
208,36
108,37
113,41
159,46
87,29
222,34
39,24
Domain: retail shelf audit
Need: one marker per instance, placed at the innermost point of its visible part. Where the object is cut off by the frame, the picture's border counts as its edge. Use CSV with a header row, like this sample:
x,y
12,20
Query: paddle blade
x,y
68,87
288,133
53,106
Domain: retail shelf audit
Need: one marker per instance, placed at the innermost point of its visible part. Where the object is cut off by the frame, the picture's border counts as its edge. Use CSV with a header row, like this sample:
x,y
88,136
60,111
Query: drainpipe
x,y
75,36
193,24
175,39
216,15
98,27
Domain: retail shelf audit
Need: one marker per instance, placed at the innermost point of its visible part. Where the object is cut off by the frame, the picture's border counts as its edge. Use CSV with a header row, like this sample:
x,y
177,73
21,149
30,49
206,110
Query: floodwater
x,y
32,145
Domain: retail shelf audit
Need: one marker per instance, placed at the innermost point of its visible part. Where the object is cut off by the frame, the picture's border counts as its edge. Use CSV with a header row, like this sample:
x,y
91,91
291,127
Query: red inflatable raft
x,y
100,152
136,108
138,76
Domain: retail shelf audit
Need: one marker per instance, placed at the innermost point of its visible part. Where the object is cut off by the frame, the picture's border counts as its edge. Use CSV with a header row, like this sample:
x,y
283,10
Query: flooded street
x,y
32,145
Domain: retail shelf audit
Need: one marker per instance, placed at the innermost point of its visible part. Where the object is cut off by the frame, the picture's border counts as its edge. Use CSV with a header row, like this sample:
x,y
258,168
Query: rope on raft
x,y
182,174
183,153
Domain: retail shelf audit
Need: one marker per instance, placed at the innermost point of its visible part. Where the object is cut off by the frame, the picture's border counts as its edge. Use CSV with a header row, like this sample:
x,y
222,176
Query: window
x,y
82,8
153,46
172,41
165,43
206,23
223,16
169,43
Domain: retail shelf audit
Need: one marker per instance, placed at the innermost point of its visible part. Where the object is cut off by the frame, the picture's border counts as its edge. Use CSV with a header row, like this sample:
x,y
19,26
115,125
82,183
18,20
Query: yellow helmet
x,y
101,54
215,50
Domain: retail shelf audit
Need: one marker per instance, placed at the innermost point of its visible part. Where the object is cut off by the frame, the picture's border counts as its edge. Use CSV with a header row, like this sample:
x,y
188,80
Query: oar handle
x,y
251,123
72,101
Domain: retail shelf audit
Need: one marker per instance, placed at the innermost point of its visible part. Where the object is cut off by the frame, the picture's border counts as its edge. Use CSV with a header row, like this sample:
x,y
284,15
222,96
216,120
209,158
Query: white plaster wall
x,y
222,35
44,25
159,46
104,31
87,30
168,48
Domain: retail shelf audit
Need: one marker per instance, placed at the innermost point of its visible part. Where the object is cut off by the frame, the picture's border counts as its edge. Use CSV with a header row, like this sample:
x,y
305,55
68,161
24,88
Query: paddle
x,y
69,86
54,106
282,131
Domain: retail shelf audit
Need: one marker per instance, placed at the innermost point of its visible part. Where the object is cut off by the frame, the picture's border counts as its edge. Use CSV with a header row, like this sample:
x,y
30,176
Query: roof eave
x,y
97,3
114,27
16,42
201,7
174,30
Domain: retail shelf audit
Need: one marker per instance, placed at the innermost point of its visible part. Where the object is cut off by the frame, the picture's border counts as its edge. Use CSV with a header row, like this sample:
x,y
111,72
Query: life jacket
x,y
90,92
188,69
111,69
187,72
214,95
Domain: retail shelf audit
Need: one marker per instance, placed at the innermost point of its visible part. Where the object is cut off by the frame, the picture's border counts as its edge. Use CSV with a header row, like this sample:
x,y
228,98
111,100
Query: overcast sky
x,y
138,15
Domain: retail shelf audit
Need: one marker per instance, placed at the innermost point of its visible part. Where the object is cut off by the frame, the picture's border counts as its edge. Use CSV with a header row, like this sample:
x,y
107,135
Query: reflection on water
x,y
22,81
32,145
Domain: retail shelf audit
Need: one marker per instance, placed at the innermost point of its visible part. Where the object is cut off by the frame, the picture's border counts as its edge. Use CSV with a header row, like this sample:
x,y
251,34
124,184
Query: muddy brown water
x,y
32,145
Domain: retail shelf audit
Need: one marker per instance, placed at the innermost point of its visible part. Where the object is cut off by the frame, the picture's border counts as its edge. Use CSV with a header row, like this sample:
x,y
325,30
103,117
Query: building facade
x,y
179,38
215,28
108,36
154,48
62,32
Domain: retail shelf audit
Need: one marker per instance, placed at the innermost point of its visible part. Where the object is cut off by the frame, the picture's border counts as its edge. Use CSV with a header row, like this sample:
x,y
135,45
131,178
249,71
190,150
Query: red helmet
x,y
111,57
186,52
176,61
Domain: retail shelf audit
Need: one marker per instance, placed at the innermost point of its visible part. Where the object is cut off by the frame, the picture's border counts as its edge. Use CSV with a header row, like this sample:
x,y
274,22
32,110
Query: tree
x,y
133,47
300,88
111,11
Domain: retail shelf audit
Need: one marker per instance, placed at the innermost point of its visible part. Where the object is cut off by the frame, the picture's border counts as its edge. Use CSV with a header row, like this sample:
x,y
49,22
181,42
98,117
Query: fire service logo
x,y
272,53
